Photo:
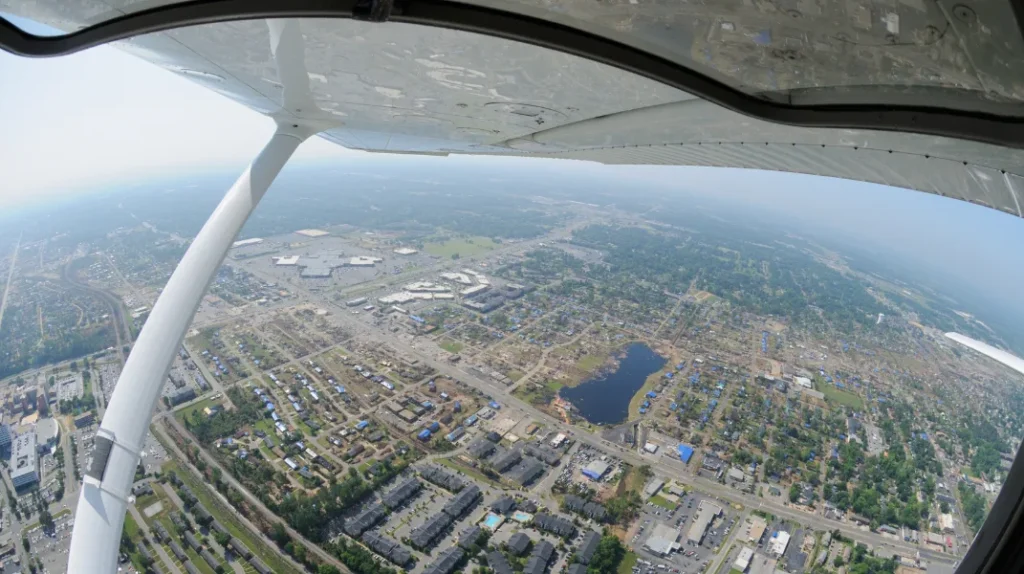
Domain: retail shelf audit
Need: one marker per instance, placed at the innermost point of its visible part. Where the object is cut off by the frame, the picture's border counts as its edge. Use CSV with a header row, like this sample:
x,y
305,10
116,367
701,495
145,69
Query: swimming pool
x,y
520,516
492,521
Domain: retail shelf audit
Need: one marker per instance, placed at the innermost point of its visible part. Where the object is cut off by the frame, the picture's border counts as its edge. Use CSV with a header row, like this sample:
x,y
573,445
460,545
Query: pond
x,y
605,398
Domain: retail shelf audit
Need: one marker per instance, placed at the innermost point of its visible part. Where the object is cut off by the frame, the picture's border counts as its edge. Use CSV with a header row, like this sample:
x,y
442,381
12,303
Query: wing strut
x,y
103,500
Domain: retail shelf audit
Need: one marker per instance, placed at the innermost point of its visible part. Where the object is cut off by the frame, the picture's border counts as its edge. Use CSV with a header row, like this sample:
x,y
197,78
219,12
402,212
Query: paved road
x,y
10,277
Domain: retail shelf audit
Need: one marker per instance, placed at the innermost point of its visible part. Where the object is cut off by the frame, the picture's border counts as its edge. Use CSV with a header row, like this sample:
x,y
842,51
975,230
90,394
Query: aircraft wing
x,y
404,88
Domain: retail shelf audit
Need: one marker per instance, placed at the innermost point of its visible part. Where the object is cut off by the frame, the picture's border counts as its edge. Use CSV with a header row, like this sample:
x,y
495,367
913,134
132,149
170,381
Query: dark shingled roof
x,y
554,524
470,536
190,539
259,566
387,547
239,548
209,558
365,520
480,448
504,505
585,507
462,502
446,561
526,471
401,493
442,478
191,568
543,453
588,547
423,536
505,460
538,562
177,550
498,563
518,543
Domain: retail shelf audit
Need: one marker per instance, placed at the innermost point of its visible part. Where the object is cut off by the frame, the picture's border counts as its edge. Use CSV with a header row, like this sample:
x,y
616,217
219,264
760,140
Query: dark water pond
x,y
605,398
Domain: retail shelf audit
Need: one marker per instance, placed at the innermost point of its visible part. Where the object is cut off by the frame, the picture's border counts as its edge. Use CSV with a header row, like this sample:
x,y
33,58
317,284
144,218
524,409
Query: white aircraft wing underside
x,y
403,88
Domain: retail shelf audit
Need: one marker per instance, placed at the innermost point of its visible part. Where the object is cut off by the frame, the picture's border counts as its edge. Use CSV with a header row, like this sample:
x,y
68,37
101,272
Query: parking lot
x,y
52,551
690,558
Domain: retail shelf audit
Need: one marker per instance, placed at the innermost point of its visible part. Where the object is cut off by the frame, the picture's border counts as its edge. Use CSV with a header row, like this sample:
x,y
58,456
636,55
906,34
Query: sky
x,y
102,115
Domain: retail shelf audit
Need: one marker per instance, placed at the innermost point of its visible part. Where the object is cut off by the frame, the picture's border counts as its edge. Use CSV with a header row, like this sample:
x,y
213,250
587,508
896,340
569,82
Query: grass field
x,y
451,346
841,397
465,247
588,363
467,471
130,527
628,562
186,413
663,502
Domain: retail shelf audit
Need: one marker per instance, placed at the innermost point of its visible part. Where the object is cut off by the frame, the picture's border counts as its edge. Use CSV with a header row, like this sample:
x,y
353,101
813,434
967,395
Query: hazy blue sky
x,y
102,114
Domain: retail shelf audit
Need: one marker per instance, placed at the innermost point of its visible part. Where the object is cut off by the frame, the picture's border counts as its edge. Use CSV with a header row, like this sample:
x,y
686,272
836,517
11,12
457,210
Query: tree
x,y
794,492
327,569
24,542
838,562
455,256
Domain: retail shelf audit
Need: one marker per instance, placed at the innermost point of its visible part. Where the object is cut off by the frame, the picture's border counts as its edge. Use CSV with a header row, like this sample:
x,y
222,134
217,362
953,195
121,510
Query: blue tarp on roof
x,y
685,452
362,424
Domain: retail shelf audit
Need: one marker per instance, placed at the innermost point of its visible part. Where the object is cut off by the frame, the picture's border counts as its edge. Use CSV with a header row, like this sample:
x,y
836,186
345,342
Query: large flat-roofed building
x,y
663,540
706,512
24,462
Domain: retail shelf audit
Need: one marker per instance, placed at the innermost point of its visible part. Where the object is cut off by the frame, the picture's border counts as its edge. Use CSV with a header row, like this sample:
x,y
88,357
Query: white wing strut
x,y
103,501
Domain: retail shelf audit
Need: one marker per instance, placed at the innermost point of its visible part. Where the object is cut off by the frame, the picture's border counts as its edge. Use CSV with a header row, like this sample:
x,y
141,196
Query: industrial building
x,y
596,470
663,540
247,242
287,261
706,512
24,465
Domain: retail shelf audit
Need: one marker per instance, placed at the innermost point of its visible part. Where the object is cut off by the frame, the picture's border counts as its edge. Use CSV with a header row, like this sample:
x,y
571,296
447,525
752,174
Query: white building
x,y
663,540
458,278
778,543
946,522
245,242
405,251
363,261
558,440
651,447
743,560
803,382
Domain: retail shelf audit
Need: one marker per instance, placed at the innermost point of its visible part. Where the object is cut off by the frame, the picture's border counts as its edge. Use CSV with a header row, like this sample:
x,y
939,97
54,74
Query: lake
x,y
605,398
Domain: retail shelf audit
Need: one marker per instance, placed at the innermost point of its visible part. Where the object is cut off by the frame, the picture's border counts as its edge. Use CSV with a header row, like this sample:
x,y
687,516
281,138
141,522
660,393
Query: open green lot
x,y
451,346
465,247
588,363
663,502
840,397
628,562
186,413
